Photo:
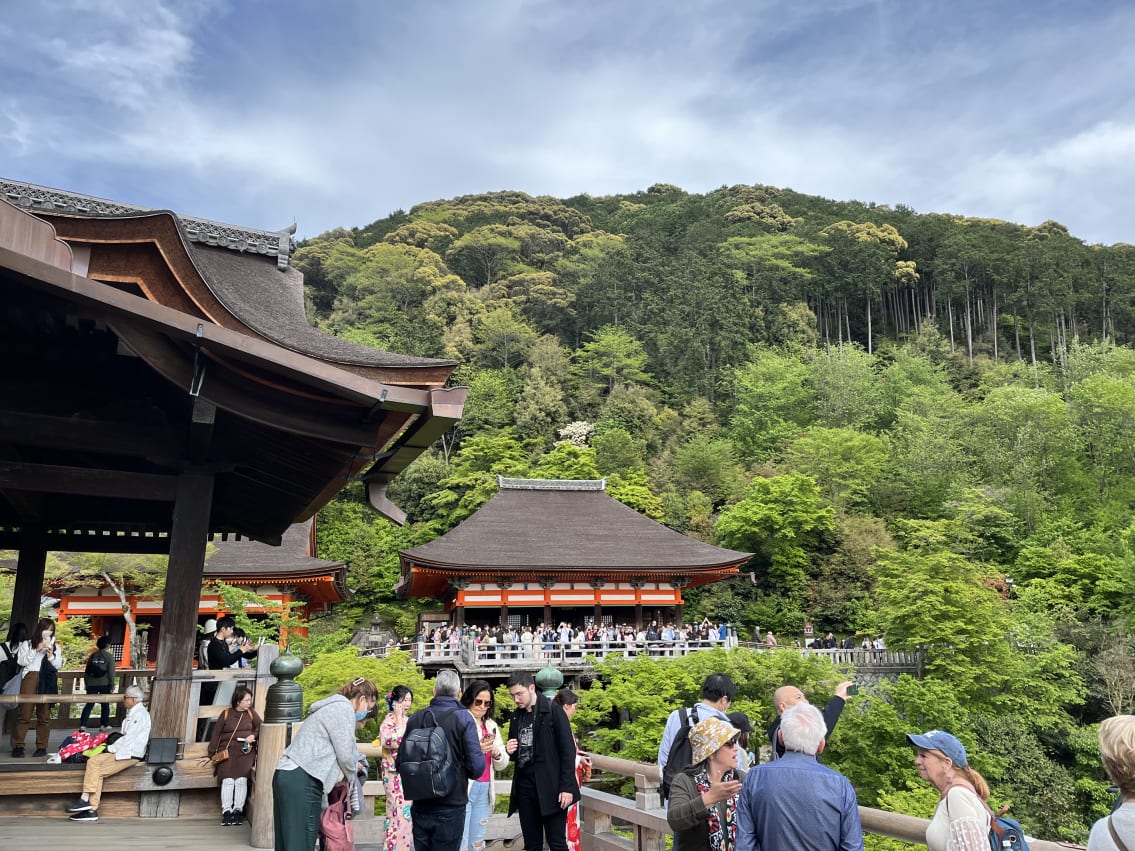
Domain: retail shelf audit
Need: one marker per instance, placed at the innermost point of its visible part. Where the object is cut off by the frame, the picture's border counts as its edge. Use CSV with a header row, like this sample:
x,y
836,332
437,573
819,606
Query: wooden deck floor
x,y
115,834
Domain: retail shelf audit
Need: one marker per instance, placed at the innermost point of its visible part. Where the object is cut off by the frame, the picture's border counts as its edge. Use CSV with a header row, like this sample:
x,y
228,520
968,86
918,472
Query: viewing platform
x,y
580,658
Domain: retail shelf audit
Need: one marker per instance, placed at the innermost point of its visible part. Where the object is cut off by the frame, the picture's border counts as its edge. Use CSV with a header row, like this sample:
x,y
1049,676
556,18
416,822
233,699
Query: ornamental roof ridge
x,y
551,484
279,244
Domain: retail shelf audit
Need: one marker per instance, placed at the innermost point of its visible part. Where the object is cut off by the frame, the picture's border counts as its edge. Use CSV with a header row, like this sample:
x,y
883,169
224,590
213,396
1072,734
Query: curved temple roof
x,y
544,526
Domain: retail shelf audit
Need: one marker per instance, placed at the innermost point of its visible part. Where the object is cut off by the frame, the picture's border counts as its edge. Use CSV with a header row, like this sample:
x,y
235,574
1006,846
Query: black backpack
x,y
425,760
9,667
97,666
681,752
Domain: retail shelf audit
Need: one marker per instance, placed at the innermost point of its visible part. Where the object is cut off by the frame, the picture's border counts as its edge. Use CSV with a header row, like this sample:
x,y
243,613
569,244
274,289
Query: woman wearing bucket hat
x,y
703,799
961,821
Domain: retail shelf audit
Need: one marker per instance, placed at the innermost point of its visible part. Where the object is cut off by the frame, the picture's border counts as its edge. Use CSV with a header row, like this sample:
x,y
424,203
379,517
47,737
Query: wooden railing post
x,y
647,798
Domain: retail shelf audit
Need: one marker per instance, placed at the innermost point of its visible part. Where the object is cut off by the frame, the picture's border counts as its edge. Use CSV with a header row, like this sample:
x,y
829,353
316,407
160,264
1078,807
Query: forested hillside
x,y
924,426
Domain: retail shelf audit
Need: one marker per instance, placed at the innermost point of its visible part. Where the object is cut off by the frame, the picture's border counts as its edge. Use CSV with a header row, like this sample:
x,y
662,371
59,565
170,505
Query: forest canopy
x,y
923,425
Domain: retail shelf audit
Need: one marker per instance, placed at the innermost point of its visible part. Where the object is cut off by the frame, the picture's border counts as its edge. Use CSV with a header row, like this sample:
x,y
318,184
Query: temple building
x,y
164,386
546,551
287,574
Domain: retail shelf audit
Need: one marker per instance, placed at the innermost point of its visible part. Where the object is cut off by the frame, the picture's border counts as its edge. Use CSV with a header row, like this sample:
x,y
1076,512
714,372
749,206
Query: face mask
x,y
361,716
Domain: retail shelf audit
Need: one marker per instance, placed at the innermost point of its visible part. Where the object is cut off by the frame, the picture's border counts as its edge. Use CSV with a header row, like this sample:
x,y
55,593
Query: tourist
x,y
207,633
478,699
398,835
569,702
961,819
322,752
119,756
542,746
1117,750
702,810
40,659
788,696
770,639
794,803
218,656
439,822
98,678
741,723
235,733
717,693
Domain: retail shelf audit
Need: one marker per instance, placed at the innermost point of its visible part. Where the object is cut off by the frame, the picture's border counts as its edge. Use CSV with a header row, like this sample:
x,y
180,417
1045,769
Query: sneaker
x,y
40,752
80,806
105,729
86,815
238,817
17,753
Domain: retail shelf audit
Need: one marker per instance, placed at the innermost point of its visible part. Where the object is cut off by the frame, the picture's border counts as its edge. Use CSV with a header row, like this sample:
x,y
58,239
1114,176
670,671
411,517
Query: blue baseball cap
x,y
940,740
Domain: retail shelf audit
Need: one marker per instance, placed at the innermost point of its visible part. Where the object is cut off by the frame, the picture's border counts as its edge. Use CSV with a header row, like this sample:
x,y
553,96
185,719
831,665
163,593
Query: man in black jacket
x,y
439,822
787,696
543,751
218,655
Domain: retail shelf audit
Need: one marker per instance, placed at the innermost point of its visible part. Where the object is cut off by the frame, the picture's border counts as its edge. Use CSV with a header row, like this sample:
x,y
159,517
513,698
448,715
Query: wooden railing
x,y
644,819
469,655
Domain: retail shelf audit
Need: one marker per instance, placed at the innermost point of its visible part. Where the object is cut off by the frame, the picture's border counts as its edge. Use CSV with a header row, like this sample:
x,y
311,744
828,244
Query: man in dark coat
x,y
788,696
218,655
543,750
439,822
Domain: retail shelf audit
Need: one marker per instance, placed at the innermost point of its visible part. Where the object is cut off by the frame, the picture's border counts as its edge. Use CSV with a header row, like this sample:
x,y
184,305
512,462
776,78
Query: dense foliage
x,y
922,425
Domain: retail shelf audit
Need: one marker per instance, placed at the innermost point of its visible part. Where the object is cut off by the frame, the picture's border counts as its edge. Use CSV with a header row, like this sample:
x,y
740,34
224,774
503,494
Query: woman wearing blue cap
x,y
961,821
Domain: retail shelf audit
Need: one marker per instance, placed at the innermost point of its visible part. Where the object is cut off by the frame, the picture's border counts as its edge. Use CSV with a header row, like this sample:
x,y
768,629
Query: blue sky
x,y
337,113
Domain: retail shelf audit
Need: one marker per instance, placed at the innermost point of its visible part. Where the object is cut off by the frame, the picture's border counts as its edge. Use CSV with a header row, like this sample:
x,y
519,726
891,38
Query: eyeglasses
x,y
479,702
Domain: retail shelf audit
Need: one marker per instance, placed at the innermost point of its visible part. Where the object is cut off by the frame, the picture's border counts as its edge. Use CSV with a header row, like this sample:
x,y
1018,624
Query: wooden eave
x,y
148,251
97,422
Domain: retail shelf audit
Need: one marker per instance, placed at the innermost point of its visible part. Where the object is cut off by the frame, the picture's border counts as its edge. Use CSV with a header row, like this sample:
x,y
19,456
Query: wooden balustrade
x,y
645,819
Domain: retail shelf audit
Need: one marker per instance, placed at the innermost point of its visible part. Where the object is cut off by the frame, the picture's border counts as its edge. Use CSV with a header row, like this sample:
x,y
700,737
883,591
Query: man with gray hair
x,y
794,803
119,756
440,822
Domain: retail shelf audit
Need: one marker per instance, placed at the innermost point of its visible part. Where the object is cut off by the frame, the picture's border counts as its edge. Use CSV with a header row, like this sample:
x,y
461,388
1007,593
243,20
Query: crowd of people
x,y
547,641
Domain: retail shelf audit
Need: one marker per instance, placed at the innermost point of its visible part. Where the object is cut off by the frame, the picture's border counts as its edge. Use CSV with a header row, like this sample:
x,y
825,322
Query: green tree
x,y
845,463
612,356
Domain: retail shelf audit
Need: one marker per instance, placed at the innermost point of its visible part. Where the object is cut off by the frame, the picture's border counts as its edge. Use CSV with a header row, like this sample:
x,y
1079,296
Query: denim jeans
x,y
476,816
437,828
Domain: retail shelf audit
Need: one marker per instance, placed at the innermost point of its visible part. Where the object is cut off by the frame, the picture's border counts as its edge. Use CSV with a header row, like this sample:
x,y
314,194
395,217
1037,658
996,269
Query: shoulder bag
x,y
223,754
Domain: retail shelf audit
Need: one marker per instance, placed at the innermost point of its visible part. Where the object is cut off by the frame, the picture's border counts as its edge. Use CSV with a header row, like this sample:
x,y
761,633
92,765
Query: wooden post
x,y
176,648
273,739
30,567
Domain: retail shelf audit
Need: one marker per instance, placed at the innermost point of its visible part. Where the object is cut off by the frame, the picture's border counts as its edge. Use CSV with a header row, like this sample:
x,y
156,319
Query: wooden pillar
x,y
30,567
547,583
504,585
637,583
178,642
274,737
597,584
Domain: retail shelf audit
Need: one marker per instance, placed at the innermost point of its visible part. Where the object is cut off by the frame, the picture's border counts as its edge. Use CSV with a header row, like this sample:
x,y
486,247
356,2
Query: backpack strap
x,y
1115,836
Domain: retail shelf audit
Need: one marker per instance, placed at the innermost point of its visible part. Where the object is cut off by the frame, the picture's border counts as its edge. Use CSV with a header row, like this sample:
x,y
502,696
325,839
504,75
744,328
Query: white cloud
x,y
339,114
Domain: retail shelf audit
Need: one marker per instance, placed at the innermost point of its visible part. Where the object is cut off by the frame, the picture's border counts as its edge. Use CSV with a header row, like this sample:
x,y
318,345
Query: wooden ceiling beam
x,y
82,481
90,434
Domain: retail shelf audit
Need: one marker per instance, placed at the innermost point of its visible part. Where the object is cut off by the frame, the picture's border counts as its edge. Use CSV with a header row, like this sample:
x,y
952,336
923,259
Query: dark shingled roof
x,y
247,558
553,525
270,302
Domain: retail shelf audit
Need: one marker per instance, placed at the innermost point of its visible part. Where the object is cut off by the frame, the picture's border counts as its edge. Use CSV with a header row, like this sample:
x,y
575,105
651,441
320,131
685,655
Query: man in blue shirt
x,y
794,803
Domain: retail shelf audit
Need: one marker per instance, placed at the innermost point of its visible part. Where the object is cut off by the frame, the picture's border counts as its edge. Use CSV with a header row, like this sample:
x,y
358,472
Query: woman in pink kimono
x,y
399,829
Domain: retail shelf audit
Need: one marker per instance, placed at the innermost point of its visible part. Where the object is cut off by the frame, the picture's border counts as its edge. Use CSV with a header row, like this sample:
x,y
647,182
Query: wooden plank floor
x,y
115,834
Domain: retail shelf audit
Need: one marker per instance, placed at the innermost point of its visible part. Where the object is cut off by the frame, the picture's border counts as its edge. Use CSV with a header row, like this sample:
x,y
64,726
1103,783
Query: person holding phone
x,y
786,697
478,699
399,831
40,659
702,810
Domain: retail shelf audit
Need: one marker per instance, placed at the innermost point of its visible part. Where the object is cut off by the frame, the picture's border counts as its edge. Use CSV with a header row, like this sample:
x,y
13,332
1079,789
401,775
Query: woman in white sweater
x,y
31,655
478,699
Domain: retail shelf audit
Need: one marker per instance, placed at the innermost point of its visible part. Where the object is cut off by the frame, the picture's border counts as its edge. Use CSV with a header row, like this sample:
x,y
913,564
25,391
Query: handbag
x,y
223,754
12,687
335,829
